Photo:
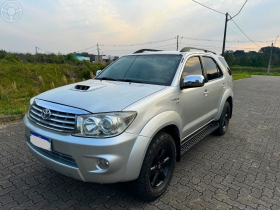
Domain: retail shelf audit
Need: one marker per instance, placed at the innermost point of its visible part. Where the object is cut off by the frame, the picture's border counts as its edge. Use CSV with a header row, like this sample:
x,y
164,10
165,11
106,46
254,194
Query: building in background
x,y
105,59
82,58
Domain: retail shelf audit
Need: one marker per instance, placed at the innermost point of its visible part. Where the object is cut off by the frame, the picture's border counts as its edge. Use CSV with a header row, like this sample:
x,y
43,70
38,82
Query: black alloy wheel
x,y
160,167
224,120
157,168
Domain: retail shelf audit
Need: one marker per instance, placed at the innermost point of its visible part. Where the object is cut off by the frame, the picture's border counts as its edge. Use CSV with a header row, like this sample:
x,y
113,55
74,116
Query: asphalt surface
x,y
237,171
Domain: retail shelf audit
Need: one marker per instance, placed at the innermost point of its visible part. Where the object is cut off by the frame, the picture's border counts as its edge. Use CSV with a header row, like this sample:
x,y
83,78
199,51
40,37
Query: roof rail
x,y
143,50
188,49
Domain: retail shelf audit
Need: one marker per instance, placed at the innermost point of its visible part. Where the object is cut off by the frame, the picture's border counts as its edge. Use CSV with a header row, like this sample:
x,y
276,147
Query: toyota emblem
x,y
46,114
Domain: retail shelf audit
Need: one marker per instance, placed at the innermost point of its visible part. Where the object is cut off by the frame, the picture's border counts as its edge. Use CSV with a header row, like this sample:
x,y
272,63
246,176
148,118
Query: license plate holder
x,y
40,141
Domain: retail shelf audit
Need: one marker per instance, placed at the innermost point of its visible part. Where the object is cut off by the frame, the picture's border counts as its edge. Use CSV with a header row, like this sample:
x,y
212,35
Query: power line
x,y
243,32
149,43
209,7
133,50
235,32
209,40
214,46
200,45
136,49
86,49
215,40
227,21
240,9
128,45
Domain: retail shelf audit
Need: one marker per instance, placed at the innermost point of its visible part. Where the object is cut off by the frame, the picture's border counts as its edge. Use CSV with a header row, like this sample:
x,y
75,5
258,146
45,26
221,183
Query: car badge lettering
x,y
46,114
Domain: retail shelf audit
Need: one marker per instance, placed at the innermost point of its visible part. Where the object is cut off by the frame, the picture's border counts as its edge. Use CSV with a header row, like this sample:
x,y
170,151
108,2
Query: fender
x,y
228,93
144,139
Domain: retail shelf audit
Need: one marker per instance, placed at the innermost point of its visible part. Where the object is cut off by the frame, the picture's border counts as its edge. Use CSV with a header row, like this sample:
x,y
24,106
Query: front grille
x,y
58,121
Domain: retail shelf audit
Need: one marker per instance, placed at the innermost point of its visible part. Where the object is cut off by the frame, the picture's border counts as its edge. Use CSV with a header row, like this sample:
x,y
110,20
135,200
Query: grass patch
x,y
240,76
253,69
21,81
247,74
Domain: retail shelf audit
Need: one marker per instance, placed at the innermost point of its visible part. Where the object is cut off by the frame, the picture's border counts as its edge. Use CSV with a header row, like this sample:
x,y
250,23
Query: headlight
x,y
103,125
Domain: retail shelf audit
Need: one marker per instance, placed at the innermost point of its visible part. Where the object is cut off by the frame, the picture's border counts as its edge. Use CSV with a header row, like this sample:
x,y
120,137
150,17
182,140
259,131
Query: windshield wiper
x,y
129,80
107,78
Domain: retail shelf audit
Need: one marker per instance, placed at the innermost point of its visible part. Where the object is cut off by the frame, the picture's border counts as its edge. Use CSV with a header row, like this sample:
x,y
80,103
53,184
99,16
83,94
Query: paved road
x,y
238,171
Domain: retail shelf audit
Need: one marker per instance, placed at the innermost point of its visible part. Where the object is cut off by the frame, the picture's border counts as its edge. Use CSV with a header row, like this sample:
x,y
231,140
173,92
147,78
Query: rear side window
x,y
223,61
192,67
212,69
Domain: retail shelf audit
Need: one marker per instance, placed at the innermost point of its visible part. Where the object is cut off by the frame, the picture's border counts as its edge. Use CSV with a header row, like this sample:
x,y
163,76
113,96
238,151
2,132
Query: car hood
x,y
101,96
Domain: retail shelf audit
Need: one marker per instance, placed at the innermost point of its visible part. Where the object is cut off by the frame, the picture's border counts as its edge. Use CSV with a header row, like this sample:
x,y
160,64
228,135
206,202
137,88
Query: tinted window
x,y
211,68
151,69
226,65
118,69
192,67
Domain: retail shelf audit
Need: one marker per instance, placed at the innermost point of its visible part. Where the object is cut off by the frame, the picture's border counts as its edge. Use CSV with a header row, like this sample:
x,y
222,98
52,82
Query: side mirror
x,y
98,72
192,81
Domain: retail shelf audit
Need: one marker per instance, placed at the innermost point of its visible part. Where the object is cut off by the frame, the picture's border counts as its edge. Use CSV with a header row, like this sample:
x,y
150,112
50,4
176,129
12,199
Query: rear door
x,y
214,87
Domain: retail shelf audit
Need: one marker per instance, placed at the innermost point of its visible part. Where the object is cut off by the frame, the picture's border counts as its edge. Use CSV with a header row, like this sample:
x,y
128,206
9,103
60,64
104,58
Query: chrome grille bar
x,y
59,120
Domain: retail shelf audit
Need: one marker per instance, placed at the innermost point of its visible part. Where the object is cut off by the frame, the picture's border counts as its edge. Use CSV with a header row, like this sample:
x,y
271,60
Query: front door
x,y
193,111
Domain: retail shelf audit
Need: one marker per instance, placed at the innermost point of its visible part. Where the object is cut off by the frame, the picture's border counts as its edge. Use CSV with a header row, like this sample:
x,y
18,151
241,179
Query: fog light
x,y
103,163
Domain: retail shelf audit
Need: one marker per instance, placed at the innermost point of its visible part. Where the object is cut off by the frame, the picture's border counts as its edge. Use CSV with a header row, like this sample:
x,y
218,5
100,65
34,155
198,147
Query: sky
x,y
123,26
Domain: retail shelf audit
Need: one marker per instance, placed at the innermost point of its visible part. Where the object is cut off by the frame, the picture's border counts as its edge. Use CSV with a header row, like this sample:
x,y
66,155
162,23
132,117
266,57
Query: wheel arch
x,y
173,131
229,100
169,122
227,97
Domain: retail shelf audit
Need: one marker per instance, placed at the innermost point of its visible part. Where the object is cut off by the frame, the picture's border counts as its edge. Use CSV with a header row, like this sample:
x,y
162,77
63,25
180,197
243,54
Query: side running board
x,y
195,138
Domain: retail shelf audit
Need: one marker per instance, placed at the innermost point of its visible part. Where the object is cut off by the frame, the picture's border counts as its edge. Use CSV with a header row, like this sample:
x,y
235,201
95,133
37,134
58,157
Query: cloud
x,y
71,25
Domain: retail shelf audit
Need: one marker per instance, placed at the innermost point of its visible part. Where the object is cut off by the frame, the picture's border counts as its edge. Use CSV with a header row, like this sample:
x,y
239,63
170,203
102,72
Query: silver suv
x,y
134,120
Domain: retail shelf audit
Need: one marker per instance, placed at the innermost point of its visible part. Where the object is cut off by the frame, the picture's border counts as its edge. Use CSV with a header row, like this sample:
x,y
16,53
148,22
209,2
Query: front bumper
x,y
77,157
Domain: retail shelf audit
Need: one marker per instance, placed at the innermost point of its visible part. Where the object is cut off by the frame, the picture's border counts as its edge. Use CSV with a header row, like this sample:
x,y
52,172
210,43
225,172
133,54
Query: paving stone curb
x,y
10,118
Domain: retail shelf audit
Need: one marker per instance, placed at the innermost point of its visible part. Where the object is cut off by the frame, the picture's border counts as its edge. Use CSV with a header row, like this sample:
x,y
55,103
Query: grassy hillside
x,y
21,81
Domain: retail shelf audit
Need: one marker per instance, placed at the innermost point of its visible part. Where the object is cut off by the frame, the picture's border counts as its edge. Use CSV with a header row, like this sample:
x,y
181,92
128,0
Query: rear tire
x,y
157,168
224,120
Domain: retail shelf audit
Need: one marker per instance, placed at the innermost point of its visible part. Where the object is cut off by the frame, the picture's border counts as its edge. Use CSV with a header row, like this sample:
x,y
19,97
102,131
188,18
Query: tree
x,y
229,58
70,58
244,61
239,53
3,53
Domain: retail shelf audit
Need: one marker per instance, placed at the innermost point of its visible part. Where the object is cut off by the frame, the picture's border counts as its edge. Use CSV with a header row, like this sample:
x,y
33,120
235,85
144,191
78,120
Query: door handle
x,y
224,85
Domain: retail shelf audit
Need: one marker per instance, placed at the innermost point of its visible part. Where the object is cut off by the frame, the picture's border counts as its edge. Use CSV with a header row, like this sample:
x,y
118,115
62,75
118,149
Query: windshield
x,y
150,69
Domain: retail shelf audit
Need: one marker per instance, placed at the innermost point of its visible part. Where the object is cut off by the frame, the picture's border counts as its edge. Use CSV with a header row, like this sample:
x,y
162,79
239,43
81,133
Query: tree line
x,y
233,58
254,59
41,58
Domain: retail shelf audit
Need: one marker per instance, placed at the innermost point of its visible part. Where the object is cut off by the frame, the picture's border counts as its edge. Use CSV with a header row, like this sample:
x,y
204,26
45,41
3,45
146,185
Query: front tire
x,y
224,120
157,168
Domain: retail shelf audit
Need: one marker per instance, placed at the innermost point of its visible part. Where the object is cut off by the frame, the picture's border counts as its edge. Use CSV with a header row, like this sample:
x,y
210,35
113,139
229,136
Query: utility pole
x,y
269,63
225,31
177,42
225,35
98,53
36,50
